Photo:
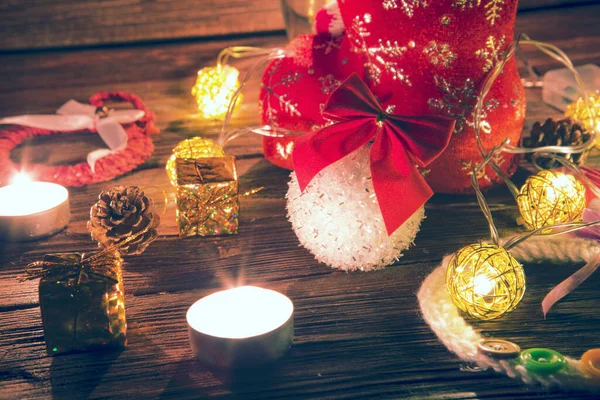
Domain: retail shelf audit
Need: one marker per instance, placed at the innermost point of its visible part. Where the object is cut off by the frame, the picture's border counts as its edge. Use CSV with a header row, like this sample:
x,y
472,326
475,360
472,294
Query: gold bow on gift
x,y
62,266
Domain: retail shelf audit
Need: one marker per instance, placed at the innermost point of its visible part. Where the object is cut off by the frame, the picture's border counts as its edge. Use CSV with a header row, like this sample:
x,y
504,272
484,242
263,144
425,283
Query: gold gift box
x,y
82,302
207,196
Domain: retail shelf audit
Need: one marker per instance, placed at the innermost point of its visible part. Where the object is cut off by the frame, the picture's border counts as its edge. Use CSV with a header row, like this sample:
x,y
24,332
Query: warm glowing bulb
x,y
193,148
579,111
482,285
485,281
551,197
214,89
20,179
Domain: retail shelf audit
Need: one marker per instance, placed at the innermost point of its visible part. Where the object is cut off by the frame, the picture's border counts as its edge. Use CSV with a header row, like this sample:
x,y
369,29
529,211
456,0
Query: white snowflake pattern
x,y
285,103
458,103
408,6
382,58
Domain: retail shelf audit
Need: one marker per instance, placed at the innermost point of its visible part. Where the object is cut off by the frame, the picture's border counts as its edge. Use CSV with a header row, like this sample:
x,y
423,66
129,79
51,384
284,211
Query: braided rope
x,y
459,337
139,149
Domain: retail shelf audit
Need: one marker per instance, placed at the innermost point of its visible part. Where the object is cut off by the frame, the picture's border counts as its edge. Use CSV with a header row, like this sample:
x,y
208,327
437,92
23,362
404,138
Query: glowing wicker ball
x,y
579,111
550,198
196,147
214,89
485,281
337,217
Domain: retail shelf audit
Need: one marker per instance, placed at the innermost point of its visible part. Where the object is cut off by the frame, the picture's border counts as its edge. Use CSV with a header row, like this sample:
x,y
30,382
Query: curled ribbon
x,y
590,214
400,142
75,116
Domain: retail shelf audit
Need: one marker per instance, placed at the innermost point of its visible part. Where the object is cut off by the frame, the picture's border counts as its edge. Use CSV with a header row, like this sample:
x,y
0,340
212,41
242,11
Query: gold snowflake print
x,y
439,54
468,166
517,102
493,8
491,54
464,4
408,6
285,104
329,83
458,102
329,45
382,58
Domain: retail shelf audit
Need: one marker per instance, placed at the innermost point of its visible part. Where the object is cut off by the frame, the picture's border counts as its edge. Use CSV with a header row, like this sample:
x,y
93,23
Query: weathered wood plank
x,y
41,24
358,335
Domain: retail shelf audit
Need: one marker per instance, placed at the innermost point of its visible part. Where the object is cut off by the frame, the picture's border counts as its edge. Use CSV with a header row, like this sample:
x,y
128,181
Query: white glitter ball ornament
x,y
337,217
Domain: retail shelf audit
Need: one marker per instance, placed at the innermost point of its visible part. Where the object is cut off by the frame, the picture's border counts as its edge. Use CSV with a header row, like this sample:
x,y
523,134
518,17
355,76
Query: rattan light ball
x,y
551,197
579,111
193,148
214,88
485,281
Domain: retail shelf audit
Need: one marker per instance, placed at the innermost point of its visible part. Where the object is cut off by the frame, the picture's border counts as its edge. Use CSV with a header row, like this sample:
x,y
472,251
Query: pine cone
x,y
121,212
565,132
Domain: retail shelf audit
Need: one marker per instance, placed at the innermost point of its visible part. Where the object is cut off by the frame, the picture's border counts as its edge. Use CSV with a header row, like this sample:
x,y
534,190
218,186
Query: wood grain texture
x,y
35,24
358,335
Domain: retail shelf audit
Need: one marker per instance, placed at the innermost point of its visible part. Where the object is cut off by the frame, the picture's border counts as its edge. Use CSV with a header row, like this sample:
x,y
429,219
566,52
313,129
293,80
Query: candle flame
x,y
20,178
241,312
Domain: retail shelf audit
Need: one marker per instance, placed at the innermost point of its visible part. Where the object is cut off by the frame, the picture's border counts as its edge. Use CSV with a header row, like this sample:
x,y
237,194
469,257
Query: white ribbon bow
x,y
75,116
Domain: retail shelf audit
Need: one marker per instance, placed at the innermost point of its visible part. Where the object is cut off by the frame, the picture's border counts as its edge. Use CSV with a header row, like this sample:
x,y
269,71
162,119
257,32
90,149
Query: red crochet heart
x,y
139,149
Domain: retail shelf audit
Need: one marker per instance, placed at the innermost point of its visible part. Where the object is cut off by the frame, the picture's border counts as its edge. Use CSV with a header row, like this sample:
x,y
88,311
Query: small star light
x,y
550,198
485,281
214,89
193,148
579,111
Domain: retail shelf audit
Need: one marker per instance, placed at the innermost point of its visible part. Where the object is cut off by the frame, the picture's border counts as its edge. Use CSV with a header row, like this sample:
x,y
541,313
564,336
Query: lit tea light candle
x,y
31,210
241,327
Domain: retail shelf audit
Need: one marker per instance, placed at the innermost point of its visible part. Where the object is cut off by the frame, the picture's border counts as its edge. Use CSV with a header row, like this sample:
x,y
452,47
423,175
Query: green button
x,y
542,361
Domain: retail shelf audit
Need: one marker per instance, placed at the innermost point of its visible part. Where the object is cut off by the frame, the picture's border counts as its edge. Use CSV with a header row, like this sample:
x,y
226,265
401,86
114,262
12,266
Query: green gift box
x,y
82,301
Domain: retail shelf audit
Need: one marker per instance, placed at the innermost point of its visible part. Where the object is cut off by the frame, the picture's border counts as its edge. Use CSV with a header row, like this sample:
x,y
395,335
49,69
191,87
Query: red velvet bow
x,y
400,143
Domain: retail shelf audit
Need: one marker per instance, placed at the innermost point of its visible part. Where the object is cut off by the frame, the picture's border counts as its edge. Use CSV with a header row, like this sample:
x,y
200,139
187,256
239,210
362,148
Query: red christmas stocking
x,y
418,57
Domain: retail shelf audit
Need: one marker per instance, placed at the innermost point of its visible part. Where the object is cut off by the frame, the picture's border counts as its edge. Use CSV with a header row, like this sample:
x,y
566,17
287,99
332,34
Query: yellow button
x,y
590,361
499,348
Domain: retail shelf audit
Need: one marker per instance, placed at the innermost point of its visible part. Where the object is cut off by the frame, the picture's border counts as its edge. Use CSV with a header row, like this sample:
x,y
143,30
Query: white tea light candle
x,y
31,210
241,327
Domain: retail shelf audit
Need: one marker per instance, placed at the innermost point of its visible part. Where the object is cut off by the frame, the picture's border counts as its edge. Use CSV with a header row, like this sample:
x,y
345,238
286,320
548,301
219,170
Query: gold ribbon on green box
x,y
81,300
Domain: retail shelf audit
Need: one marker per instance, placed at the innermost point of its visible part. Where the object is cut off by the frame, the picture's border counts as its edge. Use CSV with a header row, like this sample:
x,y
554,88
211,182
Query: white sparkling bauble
x,y
337,217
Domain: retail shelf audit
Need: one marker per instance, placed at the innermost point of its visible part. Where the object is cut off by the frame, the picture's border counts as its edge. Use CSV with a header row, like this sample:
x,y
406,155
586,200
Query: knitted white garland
x,y
445,320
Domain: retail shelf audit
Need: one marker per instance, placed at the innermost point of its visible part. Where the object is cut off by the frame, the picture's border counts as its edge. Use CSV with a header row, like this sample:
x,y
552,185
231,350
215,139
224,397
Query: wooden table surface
x,y
357,335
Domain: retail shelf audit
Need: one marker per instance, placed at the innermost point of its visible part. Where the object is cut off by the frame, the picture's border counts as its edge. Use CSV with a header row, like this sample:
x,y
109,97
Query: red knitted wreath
x,y
139,149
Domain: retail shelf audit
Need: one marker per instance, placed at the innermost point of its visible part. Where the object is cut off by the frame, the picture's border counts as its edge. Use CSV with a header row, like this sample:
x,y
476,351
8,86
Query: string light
x,y
193,148
214,89
551,197
485,281
580,111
